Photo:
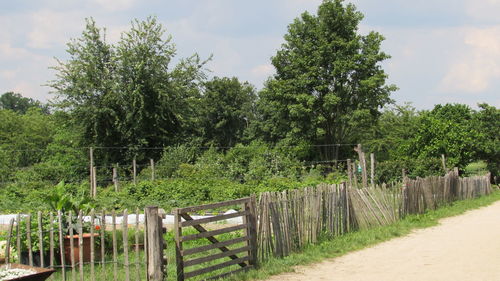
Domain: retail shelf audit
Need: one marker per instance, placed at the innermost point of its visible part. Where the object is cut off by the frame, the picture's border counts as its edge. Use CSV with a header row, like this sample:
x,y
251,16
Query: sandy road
x,y
465,247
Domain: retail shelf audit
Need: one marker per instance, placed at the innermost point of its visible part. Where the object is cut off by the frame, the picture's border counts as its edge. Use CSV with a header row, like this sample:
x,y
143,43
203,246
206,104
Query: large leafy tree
x,y
328,82
447,129
17,103
226,109
127,94
487,122
23,139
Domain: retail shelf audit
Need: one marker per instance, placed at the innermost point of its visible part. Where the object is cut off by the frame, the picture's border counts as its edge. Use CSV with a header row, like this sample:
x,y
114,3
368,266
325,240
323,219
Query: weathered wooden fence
x,y
94,246
107,246
291,219
245,243
422,194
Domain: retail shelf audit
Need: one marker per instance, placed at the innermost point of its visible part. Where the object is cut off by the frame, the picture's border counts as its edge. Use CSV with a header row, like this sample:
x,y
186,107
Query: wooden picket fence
x,y
291,219
422,194
81,247
276,225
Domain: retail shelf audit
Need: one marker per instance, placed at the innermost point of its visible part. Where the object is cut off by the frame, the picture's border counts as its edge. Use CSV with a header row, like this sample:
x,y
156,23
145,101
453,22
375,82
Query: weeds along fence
x,y
95,246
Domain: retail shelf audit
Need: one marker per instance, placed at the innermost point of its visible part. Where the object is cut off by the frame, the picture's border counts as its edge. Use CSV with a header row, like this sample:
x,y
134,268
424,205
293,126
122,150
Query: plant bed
x,y
25,272
76,248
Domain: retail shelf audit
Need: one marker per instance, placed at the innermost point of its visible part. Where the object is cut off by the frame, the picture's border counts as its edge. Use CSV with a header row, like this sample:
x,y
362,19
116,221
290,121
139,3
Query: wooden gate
x,y
240,251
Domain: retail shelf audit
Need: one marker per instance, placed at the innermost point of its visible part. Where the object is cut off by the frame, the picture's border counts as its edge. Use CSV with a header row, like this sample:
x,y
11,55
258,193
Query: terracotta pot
x,y
76,248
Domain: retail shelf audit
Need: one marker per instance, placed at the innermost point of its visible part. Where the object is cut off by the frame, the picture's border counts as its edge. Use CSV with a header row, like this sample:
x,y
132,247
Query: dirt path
x,y
465,247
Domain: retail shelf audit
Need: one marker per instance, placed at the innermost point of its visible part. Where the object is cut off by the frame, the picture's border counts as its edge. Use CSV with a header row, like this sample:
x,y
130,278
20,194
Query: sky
x,y
445,51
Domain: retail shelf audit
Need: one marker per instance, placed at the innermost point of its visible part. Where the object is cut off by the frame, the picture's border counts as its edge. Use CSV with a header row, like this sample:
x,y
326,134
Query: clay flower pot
x,y
76,248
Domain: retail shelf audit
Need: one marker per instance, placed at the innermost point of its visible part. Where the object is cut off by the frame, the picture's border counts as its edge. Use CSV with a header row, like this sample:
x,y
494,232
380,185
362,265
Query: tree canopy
x,y
17,103
328,80
128,94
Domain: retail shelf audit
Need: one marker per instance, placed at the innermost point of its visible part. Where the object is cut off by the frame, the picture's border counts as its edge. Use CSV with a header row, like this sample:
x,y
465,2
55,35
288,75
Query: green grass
x,y
361,239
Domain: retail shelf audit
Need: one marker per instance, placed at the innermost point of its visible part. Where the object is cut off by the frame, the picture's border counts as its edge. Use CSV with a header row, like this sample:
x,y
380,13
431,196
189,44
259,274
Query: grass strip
x,y
361,239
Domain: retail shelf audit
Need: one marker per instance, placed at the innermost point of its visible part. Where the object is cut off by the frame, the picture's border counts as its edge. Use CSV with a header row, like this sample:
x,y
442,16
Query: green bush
x,y
479,168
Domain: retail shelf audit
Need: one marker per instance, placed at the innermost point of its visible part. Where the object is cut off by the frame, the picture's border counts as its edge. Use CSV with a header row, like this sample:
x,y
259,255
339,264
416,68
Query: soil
x,y
465,247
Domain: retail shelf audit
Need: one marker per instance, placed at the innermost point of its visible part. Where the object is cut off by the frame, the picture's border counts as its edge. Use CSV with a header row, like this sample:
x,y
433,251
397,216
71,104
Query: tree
x,y
447,129
23,139
17,103
227,107
328,80
126,95
388,137
487,122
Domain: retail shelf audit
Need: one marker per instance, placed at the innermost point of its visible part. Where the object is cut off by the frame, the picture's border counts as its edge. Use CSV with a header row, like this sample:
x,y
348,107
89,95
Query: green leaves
x,y
127,94
328,79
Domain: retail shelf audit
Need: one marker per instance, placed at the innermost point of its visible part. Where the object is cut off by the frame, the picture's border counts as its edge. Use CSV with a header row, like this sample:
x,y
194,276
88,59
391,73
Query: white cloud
x,y
483,9
478,66
51,29
263,70
115,5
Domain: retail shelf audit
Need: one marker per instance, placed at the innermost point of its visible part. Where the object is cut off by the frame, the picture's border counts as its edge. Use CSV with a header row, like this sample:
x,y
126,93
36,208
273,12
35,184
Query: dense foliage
x,y
217,138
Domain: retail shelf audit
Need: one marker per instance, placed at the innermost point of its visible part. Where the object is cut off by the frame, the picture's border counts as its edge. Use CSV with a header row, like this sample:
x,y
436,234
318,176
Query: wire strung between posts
x,y
162,147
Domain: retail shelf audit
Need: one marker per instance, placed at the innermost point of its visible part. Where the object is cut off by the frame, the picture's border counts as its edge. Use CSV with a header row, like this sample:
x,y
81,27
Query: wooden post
x,y
28,236
7,245
92,245
94,174
40,239
115,179
362,162
178,245
443,161
155,267
137,266
18,237
252,229
103,248
51,241
152,163
91,170
80,244
61,244
125,245
71,245
115,247
134,168
349,172
354,175
403,173
372,169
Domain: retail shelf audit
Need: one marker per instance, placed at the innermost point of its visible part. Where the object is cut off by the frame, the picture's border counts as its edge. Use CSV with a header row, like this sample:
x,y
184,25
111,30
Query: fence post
x,y
372,169
134,168
362,162
91,171
443,161
152,163
252,228
115,178
94,180
349,172
178,245
154,251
